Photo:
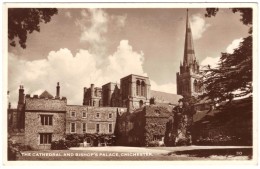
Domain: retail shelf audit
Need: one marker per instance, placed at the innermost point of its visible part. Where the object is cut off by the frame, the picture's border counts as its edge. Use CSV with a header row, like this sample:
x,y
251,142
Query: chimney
x,y
92,89
21,95
58,90
9,105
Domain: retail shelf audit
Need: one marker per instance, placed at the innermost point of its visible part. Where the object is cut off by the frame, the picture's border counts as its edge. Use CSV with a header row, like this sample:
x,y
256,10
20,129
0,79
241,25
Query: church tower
x,y
188,79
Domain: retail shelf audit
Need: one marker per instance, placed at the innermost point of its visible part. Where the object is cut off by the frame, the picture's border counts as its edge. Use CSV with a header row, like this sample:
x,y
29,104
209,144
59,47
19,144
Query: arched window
x,y
141,103
142,88
195,86
138,87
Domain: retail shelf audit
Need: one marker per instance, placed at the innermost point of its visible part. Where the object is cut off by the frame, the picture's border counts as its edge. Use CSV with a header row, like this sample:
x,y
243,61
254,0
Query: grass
x,y
144,155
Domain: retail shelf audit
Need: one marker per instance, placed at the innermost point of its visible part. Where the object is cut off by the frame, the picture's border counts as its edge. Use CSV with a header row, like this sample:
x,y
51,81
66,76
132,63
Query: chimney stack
x,y
21,95
92,89
58,90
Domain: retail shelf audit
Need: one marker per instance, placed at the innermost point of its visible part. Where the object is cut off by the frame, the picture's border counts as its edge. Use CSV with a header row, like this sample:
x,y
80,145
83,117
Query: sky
x,y
83,46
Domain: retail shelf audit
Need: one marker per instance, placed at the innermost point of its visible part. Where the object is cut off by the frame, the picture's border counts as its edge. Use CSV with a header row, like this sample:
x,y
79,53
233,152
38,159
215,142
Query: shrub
x,y
14,149
74,140
153,144
60,145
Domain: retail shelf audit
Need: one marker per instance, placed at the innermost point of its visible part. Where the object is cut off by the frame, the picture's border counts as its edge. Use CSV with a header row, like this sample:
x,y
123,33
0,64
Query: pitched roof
x,y
46,94
163,97
157,111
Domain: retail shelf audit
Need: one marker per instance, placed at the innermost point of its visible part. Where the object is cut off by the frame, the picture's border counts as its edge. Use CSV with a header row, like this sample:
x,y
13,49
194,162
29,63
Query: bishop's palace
x,y
125,110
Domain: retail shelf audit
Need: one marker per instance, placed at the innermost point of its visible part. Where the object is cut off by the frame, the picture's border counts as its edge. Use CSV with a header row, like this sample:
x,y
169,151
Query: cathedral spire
x,y
189,54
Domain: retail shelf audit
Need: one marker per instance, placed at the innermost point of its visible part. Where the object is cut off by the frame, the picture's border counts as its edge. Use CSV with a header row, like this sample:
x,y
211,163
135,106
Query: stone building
x,y
44,119
135,91
189,82
91,120
92,96
144,127
111,96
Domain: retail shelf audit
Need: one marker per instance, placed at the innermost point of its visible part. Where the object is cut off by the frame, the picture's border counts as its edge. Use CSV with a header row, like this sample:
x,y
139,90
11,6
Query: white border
x,y
136,5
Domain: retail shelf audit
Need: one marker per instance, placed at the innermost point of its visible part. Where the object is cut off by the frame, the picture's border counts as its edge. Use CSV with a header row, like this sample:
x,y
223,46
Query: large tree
x,y
233,75
22,21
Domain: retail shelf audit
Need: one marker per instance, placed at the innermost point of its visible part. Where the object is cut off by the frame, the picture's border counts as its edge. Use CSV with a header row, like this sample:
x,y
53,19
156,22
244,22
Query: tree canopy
x,y
22,21
233,75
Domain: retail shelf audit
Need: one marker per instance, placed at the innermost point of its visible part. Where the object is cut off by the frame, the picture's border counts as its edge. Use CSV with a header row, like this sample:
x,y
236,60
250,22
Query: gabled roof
x,y
46,94
163,97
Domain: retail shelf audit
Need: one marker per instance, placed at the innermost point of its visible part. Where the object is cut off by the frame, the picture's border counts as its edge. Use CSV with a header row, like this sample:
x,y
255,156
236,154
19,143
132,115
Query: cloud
x,y
75,72
212,61
234,44
92,33
198,26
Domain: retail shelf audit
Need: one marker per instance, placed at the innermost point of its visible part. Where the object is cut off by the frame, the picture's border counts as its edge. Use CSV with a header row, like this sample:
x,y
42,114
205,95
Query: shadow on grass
x,y
217,152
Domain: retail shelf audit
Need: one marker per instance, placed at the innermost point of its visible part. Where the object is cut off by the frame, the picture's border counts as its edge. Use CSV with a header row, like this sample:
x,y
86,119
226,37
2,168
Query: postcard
x,y
159,82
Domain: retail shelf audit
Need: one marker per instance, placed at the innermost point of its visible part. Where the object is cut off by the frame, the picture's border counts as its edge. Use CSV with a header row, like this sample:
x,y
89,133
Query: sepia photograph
x,y
129,82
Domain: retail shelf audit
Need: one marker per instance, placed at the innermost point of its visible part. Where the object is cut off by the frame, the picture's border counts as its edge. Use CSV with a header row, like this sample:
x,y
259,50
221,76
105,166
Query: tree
x,y
233,75
22,21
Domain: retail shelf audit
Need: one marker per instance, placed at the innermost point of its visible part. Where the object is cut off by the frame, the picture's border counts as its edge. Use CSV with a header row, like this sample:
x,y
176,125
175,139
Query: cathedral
x,y
39,120
189,82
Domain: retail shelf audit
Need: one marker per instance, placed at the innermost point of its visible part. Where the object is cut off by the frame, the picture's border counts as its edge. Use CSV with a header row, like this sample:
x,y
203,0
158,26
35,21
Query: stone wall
x,y
33,128
92,118
45,104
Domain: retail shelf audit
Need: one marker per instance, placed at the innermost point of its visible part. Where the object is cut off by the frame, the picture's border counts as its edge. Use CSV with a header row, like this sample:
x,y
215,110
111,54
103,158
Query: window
x,y
97,115
142,88
45,138
84,114
110,128
72,127
46,120
97,128
138,88
110,115
141,103
84,127
73,114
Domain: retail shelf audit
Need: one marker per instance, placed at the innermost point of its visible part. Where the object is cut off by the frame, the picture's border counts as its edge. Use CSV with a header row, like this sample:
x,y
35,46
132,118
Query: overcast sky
x,y
83,46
